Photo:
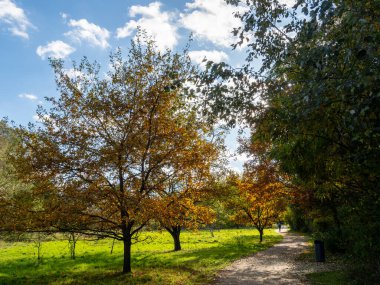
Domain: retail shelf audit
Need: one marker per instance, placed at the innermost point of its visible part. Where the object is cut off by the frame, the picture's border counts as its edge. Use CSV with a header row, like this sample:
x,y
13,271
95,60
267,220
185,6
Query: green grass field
x,y
153,261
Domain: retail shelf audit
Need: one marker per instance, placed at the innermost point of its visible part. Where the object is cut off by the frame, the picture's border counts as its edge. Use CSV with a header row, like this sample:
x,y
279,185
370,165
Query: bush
x,y
297,219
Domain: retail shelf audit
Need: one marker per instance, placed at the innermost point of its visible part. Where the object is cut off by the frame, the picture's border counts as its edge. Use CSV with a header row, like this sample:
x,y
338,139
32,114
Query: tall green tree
x,y
314,98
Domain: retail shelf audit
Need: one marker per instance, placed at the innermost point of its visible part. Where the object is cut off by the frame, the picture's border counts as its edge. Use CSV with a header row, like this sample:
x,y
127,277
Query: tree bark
x,y
127,253
113,243
72,243
126,227
175,232
261,234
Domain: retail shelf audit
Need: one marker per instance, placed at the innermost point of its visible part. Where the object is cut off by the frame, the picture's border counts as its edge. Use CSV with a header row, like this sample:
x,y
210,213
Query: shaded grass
x,y
153,261
337,277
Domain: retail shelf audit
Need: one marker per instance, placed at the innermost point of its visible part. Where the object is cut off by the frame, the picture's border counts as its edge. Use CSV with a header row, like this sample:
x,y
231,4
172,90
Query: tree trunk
x,y
127,253
177,242
72,243
261,234
175,232
113,243
126,227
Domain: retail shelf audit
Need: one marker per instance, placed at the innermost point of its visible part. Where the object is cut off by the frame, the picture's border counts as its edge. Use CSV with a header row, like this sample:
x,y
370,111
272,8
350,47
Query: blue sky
x,y
32,31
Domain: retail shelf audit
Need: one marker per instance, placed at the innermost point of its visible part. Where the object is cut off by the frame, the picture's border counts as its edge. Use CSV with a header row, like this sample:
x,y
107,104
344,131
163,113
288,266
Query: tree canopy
x,y
108,146
314,99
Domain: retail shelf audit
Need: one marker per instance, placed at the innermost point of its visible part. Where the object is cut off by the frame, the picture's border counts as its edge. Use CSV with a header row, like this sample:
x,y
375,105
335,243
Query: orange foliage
x,y
108,147
261,194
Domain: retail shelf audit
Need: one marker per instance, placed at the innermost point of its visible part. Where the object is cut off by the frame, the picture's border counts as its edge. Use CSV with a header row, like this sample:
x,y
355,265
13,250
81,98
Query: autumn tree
x,y
183,200
5,183
105,148
181,206
261,195
261,201
15,199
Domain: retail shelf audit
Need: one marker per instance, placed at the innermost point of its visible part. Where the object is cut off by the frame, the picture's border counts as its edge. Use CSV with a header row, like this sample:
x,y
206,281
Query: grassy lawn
x,y
153,261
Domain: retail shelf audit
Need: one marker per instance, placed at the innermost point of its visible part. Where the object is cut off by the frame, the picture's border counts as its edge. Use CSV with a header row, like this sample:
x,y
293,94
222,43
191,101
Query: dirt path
x,y
276,265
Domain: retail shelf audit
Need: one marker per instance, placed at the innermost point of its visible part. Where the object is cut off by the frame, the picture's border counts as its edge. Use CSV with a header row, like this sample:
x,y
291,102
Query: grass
x,y
153,261
337,277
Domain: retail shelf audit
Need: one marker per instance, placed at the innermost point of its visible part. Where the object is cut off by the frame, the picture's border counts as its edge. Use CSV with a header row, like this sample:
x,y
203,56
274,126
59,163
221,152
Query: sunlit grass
x,y
153,260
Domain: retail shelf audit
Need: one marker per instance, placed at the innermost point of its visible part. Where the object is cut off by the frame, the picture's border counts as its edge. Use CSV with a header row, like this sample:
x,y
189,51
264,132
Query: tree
x,y
318,85
4,182
15,198
261,195
181,203
182,207
258,204
72,243
107,146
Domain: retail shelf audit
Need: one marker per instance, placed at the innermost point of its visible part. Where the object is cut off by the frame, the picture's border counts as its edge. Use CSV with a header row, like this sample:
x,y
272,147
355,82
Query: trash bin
x,y
319,251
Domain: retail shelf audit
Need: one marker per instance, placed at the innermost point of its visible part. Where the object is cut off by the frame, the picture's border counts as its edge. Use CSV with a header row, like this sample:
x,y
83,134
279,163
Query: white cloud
x,y
241,158
14,17
88,32
55,49
236,161
289,3
159,25
236,169
28,96
73,73
211,20
214,55
37,118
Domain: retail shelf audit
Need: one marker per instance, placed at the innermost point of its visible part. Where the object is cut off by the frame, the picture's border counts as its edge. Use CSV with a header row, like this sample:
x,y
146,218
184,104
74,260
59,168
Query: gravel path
x,y
276,265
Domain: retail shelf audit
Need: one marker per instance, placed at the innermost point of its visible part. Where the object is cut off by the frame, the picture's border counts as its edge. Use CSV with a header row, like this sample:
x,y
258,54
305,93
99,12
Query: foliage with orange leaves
x,y
181,205
261,195
108,146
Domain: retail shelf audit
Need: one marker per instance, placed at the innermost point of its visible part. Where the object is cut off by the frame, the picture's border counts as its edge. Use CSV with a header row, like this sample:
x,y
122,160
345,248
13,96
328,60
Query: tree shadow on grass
x,y
148,267
221,254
